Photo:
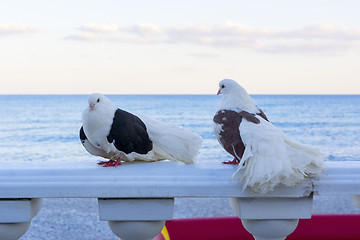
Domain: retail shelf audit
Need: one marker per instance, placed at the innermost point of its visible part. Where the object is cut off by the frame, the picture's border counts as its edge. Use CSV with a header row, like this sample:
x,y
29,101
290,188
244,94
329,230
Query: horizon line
x,y
175,94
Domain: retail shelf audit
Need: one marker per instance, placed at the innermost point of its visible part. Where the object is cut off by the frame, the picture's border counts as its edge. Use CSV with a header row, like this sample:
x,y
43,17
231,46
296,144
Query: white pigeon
x,y
266,155
118,135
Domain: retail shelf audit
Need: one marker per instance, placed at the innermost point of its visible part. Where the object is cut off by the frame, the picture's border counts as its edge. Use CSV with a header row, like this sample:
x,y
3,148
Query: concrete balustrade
x,y
141,195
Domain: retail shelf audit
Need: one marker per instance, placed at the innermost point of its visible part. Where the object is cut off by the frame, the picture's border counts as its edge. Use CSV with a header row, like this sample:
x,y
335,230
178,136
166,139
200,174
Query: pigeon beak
x,y
219,92
91,106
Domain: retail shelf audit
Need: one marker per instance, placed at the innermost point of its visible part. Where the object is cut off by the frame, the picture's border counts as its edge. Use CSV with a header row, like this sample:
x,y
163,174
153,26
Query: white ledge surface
x,y
156,180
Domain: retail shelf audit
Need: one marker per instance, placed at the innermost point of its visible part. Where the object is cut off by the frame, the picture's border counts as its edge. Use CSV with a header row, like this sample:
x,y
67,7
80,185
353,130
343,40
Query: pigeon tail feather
x,y
268,163
172,142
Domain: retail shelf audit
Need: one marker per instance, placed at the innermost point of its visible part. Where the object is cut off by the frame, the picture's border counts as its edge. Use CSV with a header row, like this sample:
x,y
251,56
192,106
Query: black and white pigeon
x,y
266,156
118,135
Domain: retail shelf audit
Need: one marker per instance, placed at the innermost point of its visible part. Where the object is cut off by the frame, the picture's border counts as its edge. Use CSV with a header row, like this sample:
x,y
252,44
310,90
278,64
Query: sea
x,y
46,127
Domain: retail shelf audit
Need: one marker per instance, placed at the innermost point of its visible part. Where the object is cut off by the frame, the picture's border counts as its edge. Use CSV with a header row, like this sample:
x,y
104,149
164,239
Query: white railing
x,y
141,195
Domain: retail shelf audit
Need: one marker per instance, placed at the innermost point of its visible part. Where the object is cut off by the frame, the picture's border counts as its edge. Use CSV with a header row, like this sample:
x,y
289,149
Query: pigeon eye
x,y
222,86
98,100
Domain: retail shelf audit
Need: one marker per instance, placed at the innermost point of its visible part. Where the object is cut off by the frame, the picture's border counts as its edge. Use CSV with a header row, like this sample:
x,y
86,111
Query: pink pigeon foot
x,y
234,162
110,163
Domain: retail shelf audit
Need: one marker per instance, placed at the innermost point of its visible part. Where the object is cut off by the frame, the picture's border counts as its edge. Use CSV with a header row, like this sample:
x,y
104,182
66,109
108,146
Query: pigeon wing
x,y
128,133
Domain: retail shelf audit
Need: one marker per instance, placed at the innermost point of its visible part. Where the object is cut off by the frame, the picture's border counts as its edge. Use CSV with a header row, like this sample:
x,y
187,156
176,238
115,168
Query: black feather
x,y
82,134
128,133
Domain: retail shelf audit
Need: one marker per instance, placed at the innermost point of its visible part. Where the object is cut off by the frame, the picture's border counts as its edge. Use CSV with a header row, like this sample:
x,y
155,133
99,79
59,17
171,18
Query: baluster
x,y
16,216
136,219
271,218
356,200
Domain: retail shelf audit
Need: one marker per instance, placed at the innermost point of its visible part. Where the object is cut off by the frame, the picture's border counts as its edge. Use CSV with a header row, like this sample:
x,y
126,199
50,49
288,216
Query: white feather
x,y
172,142
218,128
96,151
272,158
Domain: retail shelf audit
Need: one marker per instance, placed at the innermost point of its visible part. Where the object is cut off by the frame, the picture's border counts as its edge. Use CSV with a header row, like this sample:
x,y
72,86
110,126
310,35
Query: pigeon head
x,y
229,86
235,96
97,100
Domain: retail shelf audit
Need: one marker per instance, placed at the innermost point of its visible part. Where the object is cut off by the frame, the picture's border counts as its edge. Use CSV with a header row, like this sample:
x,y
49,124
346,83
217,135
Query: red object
x,y
224,228
327,227
110,163
235,161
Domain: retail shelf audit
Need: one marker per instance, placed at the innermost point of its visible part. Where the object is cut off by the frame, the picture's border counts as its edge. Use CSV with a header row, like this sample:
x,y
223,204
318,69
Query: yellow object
x,y
165,233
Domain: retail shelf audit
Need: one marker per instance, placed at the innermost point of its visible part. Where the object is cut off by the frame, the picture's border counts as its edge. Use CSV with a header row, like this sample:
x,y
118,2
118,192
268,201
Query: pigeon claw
x,y
235,161
110,163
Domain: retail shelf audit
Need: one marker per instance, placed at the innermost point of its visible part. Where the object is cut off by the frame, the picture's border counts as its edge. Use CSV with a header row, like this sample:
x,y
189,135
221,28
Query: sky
x,y
179,47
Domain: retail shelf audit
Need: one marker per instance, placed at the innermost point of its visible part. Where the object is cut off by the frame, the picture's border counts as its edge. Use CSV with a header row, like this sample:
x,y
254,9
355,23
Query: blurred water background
x,y
45,127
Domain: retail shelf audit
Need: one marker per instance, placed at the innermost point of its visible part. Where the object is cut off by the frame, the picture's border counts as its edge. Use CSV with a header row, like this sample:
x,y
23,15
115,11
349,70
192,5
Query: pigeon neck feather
x,y
97,123
238,101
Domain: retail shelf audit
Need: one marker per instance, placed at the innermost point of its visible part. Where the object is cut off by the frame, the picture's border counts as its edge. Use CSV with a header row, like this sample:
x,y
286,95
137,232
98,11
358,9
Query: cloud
x,y
139,34
236,29
321,31
205,55
324,38
7,29
99,28
325,48
135,40
146,29
89,37
237,35
93,32
226,30
207,35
